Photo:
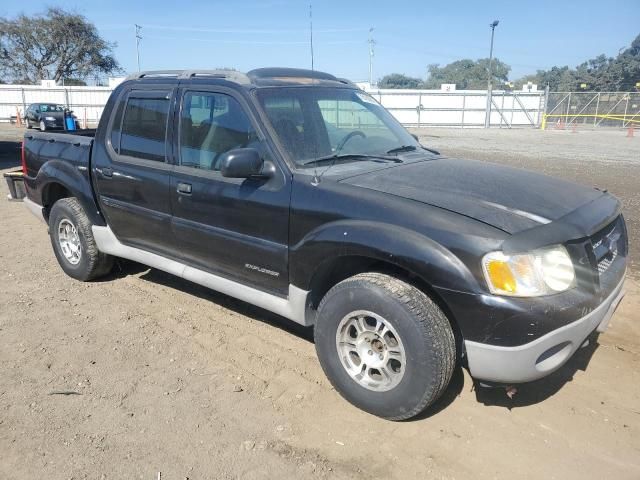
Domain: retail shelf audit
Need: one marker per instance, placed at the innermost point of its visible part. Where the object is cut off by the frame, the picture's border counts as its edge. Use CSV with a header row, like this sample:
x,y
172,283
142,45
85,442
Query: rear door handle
x,y
105,172
184,188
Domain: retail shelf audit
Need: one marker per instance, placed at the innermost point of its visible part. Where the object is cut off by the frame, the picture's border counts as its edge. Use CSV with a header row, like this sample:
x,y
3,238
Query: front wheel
x,y
43,126
73,242
385,345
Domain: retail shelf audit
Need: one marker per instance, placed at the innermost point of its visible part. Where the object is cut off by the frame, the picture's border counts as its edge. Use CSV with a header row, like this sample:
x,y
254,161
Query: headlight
x,y
540,272
50,119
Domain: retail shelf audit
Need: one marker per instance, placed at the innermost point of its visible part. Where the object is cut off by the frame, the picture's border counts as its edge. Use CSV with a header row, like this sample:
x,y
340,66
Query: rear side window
x,y
144,128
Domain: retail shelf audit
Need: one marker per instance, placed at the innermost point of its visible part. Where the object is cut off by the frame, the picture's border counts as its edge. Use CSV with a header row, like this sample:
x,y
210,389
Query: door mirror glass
x,y
241,163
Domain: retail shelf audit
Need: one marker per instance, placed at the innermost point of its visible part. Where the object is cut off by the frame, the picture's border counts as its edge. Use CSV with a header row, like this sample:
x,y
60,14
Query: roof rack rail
x,y
277,72
154,73
346,81
231,75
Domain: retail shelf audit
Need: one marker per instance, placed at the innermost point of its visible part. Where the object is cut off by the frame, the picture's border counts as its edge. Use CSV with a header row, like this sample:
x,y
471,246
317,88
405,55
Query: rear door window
x,y
144,128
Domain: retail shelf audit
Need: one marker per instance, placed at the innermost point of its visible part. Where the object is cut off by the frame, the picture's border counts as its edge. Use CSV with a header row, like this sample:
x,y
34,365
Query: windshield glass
x,y
51,108
323,122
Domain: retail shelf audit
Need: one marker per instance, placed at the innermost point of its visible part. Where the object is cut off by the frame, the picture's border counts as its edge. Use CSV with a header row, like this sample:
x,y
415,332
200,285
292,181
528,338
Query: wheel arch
x,y
334,270
59,179
344,249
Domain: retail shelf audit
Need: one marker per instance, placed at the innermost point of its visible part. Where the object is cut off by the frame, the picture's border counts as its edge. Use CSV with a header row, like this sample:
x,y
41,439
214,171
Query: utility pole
x,y
487,118
371,42
311,32
138,38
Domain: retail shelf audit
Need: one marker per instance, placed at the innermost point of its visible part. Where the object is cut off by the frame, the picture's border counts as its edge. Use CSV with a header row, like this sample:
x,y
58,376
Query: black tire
x,y
424,331
91,263
27,124
42,126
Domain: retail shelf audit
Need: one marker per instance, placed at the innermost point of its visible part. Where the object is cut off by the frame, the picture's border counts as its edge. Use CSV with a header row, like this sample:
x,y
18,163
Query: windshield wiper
x,y
412,148
351,156
403,148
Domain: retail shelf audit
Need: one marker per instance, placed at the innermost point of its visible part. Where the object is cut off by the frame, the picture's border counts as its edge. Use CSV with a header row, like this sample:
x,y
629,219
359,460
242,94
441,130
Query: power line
x,y
241,30
254,42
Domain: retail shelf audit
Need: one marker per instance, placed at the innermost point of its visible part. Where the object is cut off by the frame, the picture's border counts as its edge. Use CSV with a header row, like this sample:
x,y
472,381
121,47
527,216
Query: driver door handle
x,y
105,171
184,188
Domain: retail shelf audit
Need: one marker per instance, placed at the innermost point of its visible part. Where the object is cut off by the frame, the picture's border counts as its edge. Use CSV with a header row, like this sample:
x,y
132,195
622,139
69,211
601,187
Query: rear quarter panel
x,y
62,159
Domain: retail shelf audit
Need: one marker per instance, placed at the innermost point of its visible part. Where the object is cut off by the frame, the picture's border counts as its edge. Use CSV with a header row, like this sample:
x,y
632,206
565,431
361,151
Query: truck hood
x,y
508,198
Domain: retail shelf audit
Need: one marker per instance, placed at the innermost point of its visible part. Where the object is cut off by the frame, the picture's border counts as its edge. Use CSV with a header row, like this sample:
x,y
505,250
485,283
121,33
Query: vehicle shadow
x,y
539,390
9,154
528,394
456,384
124,268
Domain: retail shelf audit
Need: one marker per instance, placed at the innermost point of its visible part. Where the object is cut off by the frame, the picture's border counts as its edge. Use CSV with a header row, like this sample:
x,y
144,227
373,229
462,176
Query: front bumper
x,y
53,124
524,363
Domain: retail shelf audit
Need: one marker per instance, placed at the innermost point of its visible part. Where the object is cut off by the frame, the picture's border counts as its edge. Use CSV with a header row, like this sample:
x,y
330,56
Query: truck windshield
x,y
315,124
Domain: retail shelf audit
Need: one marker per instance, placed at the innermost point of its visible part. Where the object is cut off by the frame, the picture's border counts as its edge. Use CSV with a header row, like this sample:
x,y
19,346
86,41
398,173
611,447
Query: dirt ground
x,y
143,373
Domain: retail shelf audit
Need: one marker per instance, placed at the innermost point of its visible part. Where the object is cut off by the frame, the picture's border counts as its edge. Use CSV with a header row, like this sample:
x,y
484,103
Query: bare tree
x,y
56,45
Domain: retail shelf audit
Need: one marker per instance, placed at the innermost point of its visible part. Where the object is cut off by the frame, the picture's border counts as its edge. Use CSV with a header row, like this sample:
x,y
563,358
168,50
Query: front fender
x,y
399,246
76,181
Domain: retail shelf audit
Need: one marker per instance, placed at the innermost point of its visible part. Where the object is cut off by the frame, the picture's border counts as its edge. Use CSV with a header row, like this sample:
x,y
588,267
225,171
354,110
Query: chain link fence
x,y
593,109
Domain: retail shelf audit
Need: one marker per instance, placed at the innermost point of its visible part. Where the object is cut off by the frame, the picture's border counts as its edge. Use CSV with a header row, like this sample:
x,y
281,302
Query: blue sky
x,y
245,34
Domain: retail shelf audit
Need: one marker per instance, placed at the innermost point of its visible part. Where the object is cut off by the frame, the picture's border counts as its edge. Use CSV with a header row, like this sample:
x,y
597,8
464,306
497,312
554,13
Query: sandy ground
x,y
144,373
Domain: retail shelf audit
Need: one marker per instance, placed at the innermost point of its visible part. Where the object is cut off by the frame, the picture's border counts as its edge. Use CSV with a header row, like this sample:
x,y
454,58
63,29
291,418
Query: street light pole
x,y
487,118
138,38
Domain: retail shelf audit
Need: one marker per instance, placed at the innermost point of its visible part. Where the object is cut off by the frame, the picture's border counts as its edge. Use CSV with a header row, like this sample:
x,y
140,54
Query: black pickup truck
x,y
297,192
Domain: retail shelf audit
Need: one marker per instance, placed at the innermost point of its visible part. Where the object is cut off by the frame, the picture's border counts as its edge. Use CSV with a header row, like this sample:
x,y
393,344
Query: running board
x,y
293,307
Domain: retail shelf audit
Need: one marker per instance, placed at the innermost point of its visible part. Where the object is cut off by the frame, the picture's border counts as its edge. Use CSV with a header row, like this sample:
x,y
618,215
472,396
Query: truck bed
x,y
41,147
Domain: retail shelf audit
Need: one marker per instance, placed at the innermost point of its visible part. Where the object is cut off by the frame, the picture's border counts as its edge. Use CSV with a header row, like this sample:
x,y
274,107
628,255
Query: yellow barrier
x,y
611,116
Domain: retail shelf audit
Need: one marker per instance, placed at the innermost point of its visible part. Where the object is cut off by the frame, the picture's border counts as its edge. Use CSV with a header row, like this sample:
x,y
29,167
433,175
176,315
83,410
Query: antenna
x,y
138,38
311,32
372,43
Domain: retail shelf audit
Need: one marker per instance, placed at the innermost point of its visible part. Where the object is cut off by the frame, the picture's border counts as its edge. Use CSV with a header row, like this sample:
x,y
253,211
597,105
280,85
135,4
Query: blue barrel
x,y
70,122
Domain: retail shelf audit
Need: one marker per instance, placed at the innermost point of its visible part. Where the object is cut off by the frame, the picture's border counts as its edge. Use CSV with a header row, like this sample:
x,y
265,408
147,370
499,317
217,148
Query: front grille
x,y
605,263
608,243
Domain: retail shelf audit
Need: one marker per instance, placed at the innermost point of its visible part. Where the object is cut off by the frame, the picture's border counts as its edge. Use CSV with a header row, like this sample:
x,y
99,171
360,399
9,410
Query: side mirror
x,y
241,163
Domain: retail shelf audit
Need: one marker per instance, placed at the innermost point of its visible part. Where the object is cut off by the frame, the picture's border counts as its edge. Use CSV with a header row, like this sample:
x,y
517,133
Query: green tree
x,y
601,73
468,74
398,80
55,45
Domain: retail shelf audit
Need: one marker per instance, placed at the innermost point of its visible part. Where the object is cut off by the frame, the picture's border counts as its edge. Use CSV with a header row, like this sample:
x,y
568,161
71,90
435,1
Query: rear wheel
x,y
73,242
385,346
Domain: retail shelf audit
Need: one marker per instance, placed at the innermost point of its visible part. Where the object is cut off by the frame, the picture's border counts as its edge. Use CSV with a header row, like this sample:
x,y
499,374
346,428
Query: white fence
x,y
432,108
86,102
462,108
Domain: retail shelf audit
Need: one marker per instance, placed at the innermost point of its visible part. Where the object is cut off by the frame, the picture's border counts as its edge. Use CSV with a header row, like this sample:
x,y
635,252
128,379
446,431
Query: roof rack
x,y
154,73
277,72
231,75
